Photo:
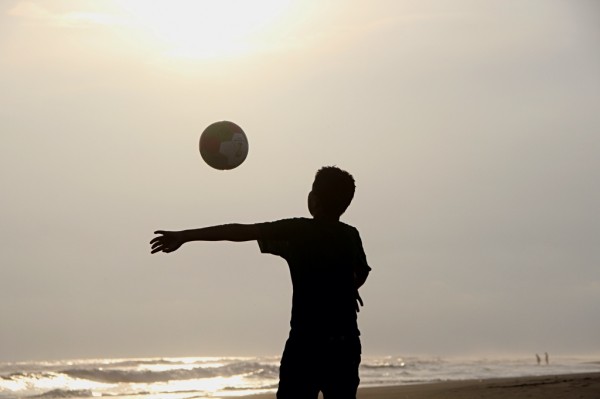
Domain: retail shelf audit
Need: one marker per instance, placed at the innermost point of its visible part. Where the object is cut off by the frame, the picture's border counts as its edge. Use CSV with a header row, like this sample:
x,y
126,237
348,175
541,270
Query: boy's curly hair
x,y
335,189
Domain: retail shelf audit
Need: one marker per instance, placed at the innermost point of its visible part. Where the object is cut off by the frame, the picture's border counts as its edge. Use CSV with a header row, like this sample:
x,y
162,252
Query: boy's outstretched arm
x,y
169,241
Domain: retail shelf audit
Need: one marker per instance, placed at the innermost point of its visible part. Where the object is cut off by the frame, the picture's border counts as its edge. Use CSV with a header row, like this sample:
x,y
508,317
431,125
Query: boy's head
x,y
332,192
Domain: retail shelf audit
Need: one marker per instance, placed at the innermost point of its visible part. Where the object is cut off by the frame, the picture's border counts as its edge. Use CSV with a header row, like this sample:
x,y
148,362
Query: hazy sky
x,y
471,127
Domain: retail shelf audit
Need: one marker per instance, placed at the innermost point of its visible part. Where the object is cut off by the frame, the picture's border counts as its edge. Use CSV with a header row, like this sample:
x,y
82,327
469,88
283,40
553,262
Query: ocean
x,y
201,377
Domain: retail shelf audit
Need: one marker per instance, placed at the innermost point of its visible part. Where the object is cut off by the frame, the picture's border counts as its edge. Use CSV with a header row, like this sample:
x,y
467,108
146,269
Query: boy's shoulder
x,y
302,225
285,237
311,222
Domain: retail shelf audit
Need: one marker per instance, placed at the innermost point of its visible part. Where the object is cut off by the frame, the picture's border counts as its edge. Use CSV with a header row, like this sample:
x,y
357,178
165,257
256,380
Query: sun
x,y
207,28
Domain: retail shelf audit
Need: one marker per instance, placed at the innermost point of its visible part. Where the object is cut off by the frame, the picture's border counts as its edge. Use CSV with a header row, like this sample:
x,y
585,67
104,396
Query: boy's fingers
x,y
158,241
359,299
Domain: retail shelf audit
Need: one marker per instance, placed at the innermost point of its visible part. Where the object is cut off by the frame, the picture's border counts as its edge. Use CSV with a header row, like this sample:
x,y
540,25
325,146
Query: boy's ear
x,y
312,202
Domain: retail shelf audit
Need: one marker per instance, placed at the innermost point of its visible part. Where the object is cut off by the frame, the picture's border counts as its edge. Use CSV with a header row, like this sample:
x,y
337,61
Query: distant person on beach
x,y
547,357
537,357
327,265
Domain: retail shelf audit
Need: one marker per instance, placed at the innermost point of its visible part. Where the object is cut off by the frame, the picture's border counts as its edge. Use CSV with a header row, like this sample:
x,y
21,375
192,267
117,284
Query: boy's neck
x,y
326,218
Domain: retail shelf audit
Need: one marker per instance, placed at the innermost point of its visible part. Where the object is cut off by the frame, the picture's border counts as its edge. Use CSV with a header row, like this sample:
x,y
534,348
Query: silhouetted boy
x,y
327,265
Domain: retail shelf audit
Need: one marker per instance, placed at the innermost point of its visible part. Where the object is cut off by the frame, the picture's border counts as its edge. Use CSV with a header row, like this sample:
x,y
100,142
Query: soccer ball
x,y
223,145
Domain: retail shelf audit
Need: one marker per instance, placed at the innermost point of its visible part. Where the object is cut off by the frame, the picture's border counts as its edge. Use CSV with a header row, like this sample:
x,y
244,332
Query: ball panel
x,y
223,145
209,144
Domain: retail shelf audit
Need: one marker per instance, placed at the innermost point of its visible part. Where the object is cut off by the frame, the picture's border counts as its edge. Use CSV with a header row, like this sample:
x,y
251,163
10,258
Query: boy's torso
x,y
322,257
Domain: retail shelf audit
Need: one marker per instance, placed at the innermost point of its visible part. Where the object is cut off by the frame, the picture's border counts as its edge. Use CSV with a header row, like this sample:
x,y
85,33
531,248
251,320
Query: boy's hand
x,y
168,241
359,302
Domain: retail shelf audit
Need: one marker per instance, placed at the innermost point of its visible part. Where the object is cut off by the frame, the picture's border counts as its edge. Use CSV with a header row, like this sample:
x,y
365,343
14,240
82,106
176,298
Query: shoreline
x,y
562,386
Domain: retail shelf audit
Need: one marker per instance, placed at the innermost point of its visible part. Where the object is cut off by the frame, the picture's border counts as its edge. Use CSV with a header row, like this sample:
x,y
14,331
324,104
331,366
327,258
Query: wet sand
x,y
568,386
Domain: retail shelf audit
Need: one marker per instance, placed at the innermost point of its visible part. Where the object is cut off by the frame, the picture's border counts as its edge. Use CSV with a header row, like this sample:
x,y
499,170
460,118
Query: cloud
x,y
35,12
28,9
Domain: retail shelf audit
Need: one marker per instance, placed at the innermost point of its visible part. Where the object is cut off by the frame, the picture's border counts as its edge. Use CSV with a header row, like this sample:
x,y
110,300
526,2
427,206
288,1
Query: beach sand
x,y
569,386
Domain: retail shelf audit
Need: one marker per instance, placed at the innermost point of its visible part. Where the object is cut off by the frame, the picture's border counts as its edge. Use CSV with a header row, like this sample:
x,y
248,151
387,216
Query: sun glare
x,y
207,28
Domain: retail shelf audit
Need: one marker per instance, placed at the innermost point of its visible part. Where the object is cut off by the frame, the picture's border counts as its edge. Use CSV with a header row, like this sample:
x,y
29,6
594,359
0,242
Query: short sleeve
x,y
275,237
273,247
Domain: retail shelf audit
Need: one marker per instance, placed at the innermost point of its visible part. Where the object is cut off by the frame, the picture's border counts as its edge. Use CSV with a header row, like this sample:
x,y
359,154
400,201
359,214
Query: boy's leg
x,y
342,359
297,376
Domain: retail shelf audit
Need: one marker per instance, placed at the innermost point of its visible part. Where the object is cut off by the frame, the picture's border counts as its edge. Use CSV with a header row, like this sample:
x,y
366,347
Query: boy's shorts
x,y
310,365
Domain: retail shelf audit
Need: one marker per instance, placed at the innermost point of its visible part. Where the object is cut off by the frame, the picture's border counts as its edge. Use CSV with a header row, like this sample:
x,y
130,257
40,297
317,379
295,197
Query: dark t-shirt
x,y
323,258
